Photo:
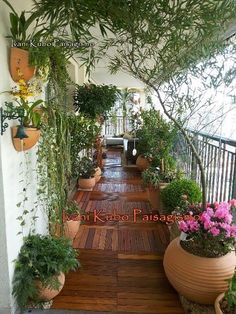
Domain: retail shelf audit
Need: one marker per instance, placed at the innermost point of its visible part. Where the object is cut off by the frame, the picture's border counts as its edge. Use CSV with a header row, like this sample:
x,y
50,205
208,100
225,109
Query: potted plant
x,y
40,269
86,171
203,255
21,35
71,219
95,101
226,302
172,194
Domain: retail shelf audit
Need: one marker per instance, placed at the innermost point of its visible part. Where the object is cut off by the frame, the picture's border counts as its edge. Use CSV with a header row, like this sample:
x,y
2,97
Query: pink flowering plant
x,y
212,234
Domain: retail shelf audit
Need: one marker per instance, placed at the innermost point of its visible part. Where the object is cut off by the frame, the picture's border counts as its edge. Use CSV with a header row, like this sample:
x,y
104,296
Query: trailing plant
x,y
85,168
172,194
41,258
94,100
54,163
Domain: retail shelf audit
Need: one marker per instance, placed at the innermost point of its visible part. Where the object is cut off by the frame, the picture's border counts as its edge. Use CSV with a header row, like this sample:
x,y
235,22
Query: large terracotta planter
x,y
142,163
19,62
87,184
217,303
199,279
98,174
154,196
26,143
46,294
71,228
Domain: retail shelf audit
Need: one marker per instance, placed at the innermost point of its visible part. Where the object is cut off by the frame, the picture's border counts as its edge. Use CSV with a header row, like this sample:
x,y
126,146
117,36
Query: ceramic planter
x,y
71,228
217,303
199,279
87,184
19,62
98,174
26,143
47,294
142,163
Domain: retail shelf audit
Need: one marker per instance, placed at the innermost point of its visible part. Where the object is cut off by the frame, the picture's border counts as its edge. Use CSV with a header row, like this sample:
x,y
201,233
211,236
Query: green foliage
x,y
41,258
31,118
84,168
84,132
151,176
173,193
72,208
230,294
94,100
54,162
155,136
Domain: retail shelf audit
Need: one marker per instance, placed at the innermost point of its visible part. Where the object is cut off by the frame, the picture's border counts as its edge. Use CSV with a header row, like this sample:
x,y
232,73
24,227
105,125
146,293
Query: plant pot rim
x,y
197,256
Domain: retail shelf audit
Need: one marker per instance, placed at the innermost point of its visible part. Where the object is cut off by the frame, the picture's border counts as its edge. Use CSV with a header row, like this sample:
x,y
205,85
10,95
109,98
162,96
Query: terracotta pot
x,y
87,184
19,62
154,197
26,143
199,279
217,303
47,294
142,163
98,174
71,228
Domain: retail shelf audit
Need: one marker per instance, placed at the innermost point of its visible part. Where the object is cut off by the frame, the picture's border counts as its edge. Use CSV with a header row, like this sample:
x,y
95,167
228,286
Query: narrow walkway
x,y
121,250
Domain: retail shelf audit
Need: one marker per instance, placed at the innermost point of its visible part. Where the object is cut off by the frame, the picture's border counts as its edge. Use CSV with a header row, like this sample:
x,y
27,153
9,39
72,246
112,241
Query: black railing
x,y
218,156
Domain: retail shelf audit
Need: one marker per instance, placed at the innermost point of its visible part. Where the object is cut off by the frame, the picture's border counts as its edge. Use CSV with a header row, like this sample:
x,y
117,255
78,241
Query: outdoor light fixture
x,y
12,113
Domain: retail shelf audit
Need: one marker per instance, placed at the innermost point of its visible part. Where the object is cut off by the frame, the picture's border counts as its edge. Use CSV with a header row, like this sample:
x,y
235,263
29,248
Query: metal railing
x,y
117,126
218,156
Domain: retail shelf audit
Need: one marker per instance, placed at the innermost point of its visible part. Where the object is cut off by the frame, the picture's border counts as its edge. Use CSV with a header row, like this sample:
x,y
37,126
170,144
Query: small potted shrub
x,y
40,269
226,302
86,170
172,195
71,219
151,178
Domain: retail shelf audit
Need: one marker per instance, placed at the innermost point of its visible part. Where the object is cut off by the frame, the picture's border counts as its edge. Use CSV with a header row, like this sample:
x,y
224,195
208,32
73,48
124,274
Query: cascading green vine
x,y
54,163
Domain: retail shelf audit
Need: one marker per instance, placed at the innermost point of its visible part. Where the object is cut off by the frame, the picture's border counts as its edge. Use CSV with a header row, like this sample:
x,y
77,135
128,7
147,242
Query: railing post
x,y
234,179
193,161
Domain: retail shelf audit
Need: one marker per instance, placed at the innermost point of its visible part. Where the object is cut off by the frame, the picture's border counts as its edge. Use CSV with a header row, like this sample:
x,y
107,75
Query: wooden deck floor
x,y
120,251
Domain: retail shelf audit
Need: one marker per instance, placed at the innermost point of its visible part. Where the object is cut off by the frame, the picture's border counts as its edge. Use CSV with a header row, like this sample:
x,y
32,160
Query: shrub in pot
x,y
86,170
151,178
172,194
71,219
226,302
203,255
40,267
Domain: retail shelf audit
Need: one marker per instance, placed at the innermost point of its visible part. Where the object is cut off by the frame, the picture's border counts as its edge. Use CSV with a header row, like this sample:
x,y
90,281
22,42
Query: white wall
x,y
12,172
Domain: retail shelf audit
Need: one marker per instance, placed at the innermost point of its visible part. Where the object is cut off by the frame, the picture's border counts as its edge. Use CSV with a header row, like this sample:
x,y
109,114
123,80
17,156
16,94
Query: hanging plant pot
x,y
199,279
98,174
47,294
19,64
142,163
26,143
86,184
71,228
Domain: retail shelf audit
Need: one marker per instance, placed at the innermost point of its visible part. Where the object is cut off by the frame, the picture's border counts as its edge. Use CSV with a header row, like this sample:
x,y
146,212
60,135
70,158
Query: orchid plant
x,y
212,234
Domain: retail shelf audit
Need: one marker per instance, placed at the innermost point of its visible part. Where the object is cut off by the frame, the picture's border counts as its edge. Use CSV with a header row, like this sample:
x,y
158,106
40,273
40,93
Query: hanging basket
x,y
19,64
26,143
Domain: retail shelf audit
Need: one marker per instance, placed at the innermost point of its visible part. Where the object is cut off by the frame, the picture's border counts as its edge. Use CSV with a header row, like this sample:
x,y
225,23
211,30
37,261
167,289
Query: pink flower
x,y
233,202
183,226
193,225
214,231
208,224
216,204
232,231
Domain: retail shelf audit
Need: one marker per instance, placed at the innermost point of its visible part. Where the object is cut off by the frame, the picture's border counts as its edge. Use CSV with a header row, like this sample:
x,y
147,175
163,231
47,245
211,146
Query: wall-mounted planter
x,y
71,228
19,62
26,143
